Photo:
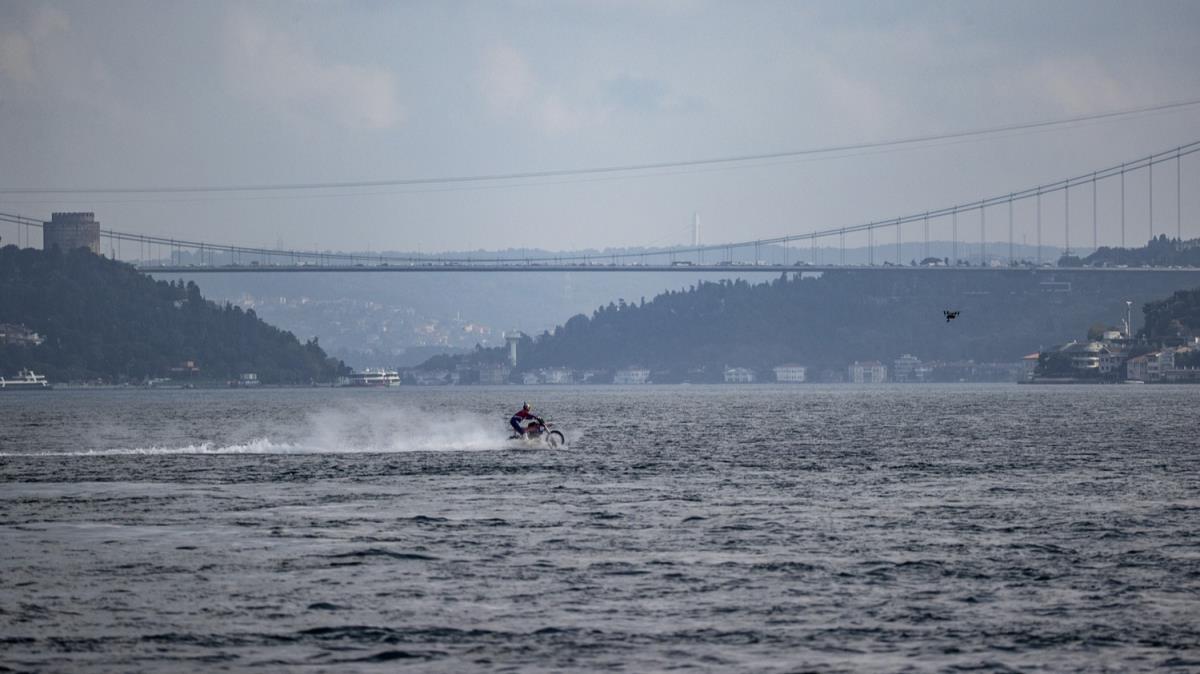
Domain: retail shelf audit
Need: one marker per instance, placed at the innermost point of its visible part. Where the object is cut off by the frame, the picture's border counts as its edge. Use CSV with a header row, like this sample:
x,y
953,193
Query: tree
x,y
104,320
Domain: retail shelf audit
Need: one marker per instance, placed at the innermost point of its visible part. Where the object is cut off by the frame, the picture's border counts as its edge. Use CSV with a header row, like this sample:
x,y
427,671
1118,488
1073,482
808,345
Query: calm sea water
x,y
757,528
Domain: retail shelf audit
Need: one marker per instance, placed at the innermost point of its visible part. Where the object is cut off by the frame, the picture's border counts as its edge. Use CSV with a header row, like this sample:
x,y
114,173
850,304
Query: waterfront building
x,y
739,375
868,372
594,377
428,378
632,375
494,375
187,368
1151,367
557,375
1158,363
1185,365
1111,361
68,231
19,335
791,373
1136,369
1086,356
1029,366
904,368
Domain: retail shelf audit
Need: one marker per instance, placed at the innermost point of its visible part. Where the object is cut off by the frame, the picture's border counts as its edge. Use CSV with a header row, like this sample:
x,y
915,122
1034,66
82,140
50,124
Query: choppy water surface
x,y
956,528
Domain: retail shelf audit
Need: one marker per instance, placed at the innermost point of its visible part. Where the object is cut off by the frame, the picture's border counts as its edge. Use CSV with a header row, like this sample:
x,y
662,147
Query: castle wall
x,y
69,231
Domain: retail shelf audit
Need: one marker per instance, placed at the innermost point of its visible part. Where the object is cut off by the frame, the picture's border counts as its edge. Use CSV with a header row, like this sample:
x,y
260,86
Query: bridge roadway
x,y
626,268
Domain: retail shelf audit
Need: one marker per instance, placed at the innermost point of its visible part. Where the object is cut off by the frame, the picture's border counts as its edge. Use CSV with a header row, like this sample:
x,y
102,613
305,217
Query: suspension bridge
x,y
158,254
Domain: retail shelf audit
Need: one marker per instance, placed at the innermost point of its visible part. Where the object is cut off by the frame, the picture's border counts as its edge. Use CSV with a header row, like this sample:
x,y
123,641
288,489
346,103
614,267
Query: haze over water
x,y
761,528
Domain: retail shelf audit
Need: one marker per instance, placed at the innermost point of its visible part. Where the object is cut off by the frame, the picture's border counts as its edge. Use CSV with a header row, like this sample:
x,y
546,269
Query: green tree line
x,y
1173,317
102,319
1160,251
836,318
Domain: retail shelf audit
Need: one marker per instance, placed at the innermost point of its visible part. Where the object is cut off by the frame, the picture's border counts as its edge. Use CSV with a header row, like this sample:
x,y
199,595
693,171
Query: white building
x,y
869,372
494,374
791,373
19,334
905,367
1030,364
1158,363
1085,356
1110,361
632,375
739,375
1151,366
1136,369
557,375
1182,368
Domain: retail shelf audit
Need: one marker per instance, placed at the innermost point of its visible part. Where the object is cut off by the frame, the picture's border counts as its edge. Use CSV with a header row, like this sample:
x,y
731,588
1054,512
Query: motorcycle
x,y
539,430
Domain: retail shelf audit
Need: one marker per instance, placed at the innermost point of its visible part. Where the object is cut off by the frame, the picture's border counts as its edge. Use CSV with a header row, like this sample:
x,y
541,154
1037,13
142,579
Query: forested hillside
x,y
1175,316
102,319
1158,252
842,317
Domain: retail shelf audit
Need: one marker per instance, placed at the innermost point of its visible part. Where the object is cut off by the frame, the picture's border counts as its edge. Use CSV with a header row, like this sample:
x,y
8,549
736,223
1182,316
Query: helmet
x,y
526,406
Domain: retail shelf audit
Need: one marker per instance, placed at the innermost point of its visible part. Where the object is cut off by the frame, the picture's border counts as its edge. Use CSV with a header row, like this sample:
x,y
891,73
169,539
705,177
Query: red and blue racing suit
x,y
522,415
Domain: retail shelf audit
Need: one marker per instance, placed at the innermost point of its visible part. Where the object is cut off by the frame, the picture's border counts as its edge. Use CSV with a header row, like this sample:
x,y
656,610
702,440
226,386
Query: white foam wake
x,y
258,446
366,429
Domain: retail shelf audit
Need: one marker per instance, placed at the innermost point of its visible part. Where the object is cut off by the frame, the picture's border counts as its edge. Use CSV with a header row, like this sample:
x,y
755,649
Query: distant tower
x,y
69,231
695,229
512,338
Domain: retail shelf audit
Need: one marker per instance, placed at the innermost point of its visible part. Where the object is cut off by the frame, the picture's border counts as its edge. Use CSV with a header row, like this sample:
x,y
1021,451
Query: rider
x,y
523,416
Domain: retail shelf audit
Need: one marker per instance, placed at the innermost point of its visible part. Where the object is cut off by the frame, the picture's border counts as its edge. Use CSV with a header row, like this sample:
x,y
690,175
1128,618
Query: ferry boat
x,y
25,380
373,378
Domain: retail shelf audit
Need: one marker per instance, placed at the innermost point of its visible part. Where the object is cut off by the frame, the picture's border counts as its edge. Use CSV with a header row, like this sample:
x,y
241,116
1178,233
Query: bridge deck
x,y
626,268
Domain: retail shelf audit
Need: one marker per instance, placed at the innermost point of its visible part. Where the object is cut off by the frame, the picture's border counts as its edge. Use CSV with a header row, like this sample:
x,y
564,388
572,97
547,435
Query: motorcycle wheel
x,y
555,439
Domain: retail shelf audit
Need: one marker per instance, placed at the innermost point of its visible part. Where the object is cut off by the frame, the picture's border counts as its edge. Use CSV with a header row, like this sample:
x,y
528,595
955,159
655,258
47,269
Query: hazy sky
x,y
145,94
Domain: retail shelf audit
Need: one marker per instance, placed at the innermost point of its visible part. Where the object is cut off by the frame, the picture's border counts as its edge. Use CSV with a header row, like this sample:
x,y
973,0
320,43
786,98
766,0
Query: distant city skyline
x,y
133,95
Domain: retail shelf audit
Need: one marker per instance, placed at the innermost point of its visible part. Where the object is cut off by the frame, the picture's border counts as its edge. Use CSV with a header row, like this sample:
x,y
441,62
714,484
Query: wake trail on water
x,y
342,430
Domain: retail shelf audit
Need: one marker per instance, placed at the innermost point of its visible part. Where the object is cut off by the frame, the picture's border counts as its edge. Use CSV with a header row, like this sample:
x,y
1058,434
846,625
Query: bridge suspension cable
x,y
730,161
147,242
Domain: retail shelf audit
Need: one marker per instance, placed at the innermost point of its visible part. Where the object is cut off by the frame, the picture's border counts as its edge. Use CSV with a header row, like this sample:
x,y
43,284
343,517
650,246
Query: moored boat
x,y
26,380
372,378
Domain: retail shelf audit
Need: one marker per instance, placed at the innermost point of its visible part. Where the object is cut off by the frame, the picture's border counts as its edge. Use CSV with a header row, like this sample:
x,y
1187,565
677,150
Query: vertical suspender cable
x,y
954,235
1039,226
927,234
982,235
1095,218
1067,219
1150,166
1122,204
1010,230
899,263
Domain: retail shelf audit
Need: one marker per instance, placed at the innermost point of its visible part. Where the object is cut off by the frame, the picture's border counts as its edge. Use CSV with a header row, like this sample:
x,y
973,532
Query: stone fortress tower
x,y
69,231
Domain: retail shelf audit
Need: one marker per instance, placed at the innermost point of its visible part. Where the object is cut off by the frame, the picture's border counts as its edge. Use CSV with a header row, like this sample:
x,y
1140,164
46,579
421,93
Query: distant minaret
x,y
695,229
